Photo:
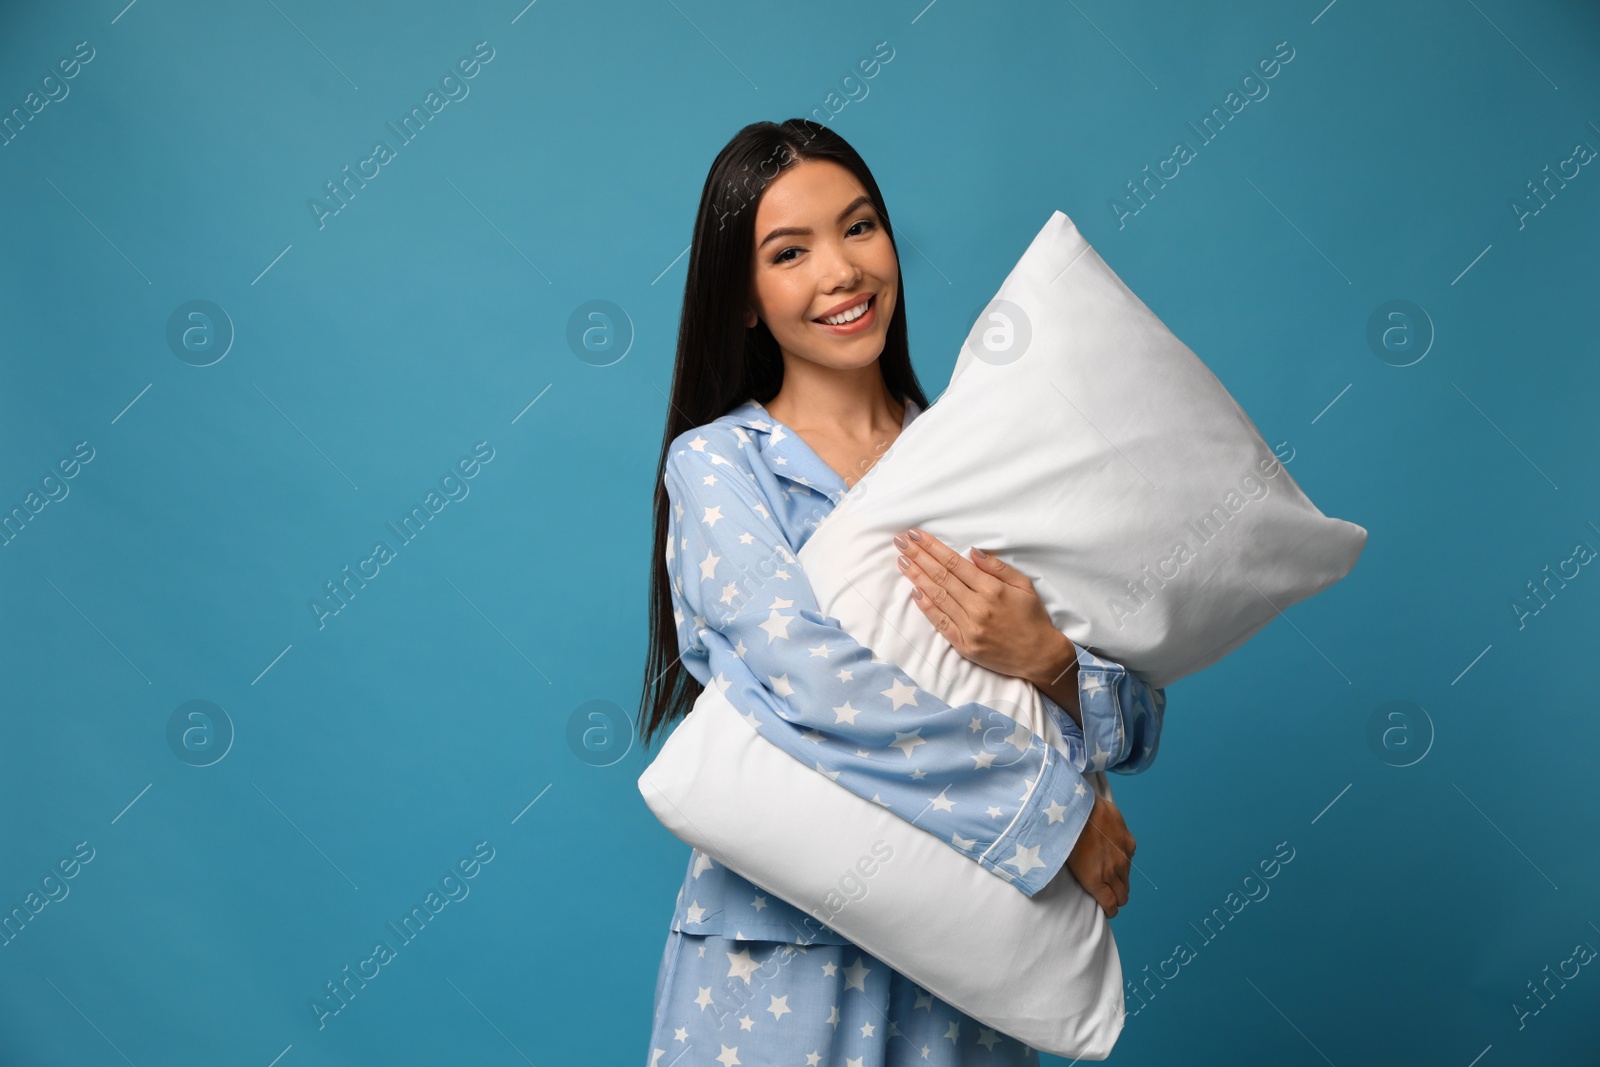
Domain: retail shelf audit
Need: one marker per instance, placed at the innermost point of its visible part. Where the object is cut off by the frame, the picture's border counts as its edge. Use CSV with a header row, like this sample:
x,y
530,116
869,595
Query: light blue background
x,y
370,755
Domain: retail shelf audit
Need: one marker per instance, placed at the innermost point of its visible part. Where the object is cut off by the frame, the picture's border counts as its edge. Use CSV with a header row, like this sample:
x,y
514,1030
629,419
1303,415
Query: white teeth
x,y
848,316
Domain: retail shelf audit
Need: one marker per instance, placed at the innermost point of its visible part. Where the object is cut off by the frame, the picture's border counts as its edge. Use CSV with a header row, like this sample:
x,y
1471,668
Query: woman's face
x,y
821,252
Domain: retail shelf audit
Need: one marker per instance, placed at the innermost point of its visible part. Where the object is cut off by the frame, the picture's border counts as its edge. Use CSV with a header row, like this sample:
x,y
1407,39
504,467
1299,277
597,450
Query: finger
x,y
944,563
999,568
1119,885
936,615
938,585
1107,900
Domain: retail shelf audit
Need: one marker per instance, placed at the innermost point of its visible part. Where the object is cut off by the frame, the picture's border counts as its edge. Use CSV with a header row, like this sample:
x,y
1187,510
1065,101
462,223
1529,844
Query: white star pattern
x,y
905,742
901,694
777,626
1021,737
740,965
1026,859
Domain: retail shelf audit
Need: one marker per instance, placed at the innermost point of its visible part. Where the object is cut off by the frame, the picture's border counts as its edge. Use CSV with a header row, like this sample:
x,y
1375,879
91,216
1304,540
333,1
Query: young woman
x,y
793,375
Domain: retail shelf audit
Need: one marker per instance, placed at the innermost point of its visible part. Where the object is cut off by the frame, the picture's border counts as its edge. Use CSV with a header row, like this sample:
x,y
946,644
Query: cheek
x,y
886,268
787,299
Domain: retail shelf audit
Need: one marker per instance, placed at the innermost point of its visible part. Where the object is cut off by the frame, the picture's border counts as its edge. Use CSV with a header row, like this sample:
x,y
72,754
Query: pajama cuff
x,y
1035,847
1104,732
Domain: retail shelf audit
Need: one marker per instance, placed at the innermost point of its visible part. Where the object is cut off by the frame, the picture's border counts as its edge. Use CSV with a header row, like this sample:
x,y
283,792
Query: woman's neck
x,y
853,405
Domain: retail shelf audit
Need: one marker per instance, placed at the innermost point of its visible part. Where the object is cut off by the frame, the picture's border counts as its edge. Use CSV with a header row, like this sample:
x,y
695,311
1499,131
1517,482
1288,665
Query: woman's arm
x,y
991,613
749,622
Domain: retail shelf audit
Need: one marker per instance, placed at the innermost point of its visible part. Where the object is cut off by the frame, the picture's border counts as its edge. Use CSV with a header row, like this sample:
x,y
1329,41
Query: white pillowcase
x,y
1079,453
1095,453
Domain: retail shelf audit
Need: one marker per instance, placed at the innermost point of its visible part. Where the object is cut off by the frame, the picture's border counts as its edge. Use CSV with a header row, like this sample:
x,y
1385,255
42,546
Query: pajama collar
x,y
786,454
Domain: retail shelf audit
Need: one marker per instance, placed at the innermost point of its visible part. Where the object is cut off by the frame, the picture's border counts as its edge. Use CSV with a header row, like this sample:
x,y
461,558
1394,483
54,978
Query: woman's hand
x,y
987,609
1103,856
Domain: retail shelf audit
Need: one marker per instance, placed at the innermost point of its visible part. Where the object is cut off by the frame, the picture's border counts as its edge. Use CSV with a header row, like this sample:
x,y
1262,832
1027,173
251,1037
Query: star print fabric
x,y
745,494
730,1003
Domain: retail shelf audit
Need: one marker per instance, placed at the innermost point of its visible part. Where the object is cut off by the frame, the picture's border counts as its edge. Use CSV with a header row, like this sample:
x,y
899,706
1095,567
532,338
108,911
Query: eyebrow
x,y
803,230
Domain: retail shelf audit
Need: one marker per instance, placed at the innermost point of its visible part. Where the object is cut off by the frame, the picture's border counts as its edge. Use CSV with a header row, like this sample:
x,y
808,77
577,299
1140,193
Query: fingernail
x,y
904,563
914,535
900,542
980,553
916,592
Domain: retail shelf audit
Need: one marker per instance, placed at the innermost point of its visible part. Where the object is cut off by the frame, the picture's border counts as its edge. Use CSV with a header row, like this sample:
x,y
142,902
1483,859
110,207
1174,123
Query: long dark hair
x,y
721,362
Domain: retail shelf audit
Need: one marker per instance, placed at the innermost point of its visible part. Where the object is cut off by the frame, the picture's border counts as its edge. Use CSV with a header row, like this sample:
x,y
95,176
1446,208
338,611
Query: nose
x,y
841,269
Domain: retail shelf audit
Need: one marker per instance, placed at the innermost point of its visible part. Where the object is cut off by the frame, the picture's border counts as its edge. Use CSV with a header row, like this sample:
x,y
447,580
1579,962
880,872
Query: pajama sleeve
x,y
749,623
1122,716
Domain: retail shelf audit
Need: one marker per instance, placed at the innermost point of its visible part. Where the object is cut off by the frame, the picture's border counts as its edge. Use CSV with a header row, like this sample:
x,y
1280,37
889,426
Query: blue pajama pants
x,y
724,1003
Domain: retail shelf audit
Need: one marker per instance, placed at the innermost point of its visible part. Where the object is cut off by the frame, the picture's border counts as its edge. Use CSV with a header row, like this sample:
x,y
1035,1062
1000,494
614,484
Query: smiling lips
x,y
852,317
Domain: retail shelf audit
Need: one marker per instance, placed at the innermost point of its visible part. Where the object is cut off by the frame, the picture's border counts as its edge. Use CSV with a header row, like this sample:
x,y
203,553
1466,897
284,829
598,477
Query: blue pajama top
x,y
745,494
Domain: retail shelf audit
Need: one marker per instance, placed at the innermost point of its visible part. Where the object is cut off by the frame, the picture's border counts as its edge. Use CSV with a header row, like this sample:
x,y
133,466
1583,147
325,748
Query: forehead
x,y
810,193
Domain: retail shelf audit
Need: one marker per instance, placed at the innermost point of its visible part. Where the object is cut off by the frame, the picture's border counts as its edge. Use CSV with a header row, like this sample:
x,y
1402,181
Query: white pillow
x,y
1006,461
1084,444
